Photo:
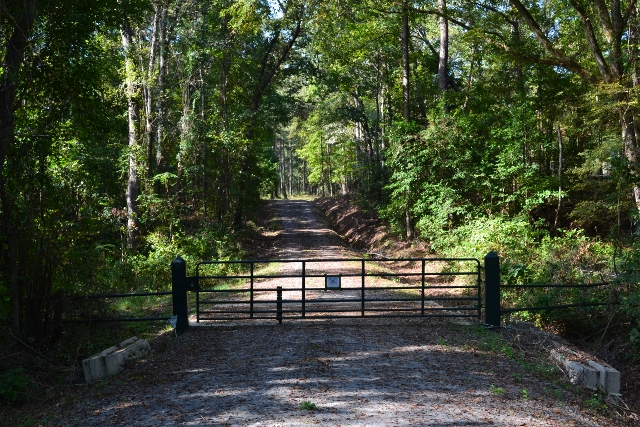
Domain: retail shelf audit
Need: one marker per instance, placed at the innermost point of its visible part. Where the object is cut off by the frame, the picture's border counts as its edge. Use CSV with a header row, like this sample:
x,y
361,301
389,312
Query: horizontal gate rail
x,y
106,296
493,288
79,298
294,276
365,288
552,307
555,285
212,290
318,301
346,316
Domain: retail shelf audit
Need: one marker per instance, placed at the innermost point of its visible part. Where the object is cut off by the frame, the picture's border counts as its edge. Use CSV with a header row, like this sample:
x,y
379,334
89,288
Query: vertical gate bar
x,y
479,291
197,306
197,295
279,305
363,277
251,294
423,263
304,291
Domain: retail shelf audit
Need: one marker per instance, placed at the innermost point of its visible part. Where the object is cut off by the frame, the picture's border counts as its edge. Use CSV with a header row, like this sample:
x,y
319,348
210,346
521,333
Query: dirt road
x,y
328,373
304,233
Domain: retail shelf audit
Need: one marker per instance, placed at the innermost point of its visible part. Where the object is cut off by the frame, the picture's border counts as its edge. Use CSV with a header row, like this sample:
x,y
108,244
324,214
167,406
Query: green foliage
x,y
150,271
14,385
629,275
511,238
421,180
529,255
309,406
498,391
596,402
327,145
464,166
490,341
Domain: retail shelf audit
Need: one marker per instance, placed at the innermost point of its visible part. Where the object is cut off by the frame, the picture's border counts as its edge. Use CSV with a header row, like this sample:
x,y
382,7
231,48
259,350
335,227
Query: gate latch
x,y
193,285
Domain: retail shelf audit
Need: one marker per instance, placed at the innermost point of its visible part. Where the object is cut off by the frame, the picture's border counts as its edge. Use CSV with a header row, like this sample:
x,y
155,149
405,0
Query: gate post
x,y
179,287
279,304
492,290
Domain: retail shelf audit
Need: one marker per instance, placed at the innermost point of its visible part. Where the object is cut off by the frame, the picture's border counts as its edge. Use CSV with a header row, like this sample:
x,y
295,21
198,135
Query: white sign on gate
x,y
332,282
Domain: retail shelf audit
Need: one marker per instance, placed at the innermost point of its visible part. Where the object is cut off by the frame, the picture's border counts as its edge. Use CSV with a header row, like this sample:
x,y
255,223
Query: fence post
x,y
492,290
179,287
279,304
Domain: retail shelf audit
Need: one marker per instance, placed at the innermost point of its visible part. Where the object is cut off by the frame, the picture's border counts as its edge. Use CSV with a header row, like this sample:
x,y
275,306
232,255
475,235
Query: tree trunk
x,y
282,158
631,126
160,103
148,89
330,169
409,222
470,77
406,111
14,52
290,169
304,177
555,223
443,61
225,66
185,133
629,139
11,256
133,184
205,188
517,43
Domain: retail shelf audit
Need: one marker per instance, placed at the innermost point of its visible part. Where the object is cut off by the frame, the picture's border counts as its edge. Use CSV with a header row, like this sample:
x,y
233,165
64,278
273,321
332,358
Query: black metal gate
x,y
337,288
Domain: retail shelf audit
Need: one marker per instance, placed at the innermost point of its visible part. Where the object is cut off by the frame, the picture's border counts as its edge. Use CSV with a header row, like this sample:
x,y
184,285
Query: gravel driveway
x,y
347,372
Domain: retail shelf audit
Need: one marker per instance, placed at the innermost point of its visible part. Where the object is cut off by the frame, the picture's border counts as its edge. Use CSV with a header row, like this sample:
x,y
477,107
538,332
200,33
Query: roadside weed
x,y
525,393
498,391
308,406
595,402
14,385
558,394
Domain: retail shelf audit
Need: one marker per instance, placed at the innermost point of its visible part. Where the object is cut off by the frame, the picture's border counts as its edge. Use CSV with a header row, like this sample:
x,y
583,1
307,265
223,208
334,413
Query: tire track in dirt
x,y
305,234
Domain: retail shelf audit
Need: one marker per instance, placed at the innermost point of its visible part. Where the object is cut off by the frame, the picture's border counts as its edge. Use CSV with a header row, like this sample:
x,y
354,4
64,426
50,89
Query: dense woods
x,y
134,130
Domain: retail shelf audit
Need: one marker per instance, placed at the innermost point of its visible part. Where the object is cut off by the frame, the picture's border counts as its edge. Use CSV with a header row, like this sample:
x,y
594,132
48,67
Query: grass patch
x,y
498,391
308,406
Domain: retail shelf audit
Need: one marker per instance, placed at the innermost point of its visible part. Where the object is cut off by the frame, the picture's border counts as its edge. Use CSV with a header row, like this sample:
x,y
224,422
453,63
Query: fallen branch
x,y
33,350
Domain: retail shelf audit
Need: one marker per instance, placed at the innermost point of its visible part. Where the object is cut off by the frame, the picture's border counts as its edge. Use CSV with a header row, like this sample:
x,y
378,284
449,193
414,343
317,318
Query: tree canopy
x,y
131,129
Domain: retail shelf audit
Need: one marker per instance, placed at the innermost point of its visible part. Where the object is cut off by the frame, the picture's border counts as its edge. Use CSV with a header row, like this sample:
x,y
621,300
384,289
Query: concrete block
x,y
134,349
595,376
110,361
609,378
582,375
